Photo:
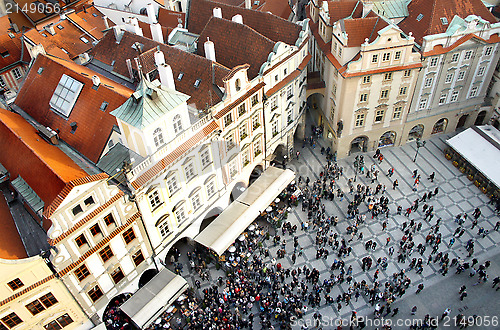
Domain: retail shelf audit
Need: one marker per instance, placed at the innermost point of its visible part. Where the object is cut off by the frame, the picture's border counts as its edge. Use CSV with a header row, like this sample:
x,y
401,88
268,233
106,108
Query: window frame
x,y
81,272
138,258
359,119
129,235
154,199
177,124
95,292
117,275
15,284
106,253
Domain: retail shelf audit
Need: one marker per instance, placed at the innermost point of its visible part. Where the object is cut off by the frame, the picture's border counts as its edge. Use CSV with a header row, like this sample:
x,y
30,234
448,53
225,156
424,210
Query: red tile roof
x,y
171,19
146,30
269,25
433,10
43,166
94,126
192,66
341,9
359,29
91,20
232,44
242,98
10,46
11,245
439,49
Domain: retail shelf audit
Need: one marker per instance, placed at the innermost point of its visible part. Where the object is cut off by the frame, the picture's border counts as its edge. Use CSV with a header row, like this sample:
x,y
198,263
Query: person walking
x,y
431,177
419,288
414,310
395,184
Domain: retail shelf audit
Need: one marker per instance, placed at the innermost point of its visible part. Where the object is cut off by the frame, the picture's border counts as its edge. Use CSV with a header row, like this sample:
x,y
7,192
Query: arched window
x,y
158,137
177,124
237,85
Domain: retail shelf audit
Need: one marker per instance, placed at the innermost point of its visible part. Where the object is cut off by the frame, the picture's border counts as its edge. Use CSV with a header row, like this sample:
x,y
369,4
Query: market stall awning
x,y
154,298
480,146
224,230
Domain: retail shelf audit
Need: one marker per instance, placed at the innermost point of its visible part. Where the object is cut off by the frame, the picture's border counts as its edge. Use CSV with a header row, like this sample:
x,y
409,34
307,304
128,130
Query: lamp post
x,y
420,144
356,161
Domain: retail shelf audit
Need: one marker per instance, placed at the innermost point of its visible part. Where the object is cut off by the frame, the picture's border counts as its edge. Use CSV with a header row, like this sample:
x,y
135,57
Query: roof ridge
x,y
244,26
374,27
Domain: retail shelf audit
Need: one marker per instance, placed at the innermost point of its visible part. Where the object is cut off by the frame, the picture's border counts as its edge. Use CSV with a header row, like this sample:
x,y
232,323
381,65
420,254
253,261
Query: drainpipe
x,y
264,101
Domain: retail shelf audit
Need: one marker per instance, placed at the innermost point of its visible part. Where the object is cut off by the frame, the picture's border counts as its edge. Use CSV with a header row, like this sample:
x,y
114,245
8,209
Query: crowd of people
x,y
261,290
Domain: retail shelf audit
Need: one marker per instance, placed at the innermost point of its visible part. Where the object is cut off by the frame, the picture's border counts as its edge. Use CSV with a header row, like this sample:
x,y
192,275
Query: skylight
x,y
419,17
60,27
65,95
197,83
179,77
85,40
444,21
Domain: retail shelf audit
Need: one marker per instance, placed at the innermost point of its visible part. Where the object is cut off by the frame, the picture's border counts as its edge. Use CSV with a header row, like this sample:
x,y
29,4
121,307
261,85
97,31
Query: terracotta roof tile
x,y
439,49
269,25
359,29
23,152
433,10
146,30
90,20
192,66
11,245
344,8
93,125
232,40
10,47
171,19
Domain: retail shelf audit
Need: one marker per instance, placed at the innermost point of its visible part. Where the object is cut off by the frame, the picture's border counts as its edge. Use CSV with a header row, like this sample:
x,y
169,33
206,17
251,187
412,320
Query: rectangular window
x,y
384,94
117,275
255,121
154,199
407,73
386,57
461,75
230,141
428,82
81,240
189,170
374,58
367,79
15,284
289,115
64,320
480,72
488,51
360,120
48,300
434,61
128,235
255,100
275,128
180,214
289,92
77,210
164,230
232,169
11,320
449,78
89,201
195,201
397,112
340,51
205,158
53,325
363,97
17,73
454,96
473,91
65,95
2,82
388,76
397,55
257,148
172,184
243,132
454,57
442,98
379,115
109,220
468,55
210,188
82,272
95,230
242,109
35,307
95,293
422,104
106,253
228,119
403,90
138,258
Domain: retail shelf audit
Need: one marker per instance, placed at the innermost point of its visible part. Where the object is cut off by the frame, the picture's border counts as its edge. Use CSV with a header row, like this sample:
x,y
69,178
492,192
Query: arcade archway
x,y
416,132
480,118
387,139
359,144
440,126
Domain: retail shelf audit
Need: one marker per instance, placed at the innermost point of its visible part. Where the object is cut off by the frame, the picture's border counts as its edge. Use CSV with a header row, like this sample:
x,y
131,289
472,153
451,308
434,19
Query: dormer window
x,y
444,21
419,17
237,84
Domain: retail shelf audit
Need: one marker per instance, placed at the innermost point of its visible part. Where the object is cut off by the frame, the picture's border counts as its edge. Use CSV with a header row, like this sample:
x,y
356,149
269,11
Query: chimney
x,y
50,29
139,68
135,26
129,67
157,33
118,33
166,76
151,13
217,12
106,24
209,50
159,57
96,81
238,19
367,7
248,4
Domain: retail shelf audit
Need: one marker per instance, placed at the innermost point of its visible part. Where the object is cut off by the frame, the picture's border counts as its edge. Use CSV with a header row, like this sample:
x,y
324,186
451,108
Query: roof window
x,y
197,83
94,14
60,27
85,40
104,105
419,17
40,70
444,21
64,50
65,95
4,54
179,77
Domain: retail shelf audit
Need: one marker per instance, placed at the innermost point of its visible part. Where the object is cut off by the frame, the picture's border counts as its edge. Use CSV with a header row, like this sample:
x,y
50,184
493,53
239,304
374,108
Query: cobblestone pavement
x,y
457,194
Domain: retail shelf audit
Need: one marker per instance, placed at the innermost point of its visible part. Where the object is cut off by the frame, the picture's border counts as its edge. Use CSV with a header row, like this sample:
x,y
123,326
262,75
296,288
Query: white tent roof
x,y
154,298
480,146
224,230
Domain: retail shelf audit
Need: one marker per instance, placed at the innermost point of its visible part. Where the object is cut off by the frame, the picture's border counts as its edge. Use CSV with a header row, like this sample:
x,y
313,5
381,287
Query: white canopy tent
x,y
154,298
224,230
480,146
